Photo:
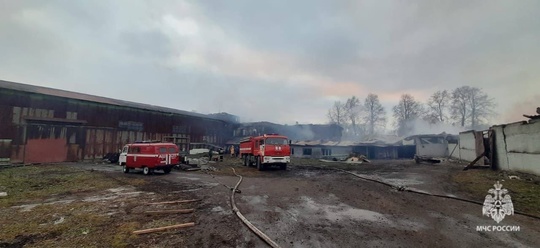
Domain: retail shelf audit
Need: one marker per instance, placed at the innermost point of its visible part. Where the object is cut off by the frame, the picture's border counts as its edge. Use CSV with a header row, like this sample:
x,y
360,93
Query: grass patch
x,y
524,192
41,182
46,207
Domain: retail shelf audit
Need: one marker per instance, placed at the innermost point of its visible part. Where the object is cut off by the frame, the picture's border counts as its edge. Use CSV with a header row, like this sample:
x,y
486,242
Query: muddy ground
x,y
309,205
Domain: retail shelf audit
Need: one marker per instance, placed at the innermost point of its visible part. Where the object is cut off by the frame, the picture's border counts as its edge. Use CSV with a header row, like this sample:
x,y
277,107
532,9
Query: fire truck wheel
x,y
260,166
125,169
246,161
283,166
146,170
167,170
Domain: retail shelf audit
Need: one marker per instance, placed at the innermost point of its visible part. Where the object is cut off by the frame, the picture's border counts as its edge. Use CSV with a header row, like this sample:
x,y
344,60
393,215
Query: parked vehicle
x,y
149,156
266,150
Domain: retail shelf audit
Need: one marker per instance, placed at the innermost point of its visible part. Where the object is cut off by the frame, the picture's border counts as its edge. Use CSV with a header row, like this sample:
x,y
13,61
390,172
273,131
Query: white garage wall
x,y
467,146
518,147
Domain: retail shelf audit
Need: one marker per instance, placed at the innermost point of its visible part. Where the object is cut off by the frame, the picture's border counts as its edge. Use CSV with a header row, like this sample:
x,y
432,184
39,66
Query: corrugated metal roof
x,y
91,98
345,143
324,143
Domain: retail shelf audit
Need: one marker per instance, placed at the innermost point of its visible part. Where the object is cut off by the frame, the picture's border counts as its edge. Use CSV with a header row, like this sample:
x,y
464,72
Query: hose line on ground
x,y
403,188
254,229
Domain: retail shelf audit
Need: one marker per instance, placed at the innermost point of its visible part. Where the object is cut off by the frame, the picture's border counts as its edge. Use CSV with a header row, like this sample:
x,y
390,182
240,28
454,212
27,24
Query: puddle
x,y
399,178
99,198
310,173
27,207
120,189
314,211
219,210
342,211
134,193
255,200
60,202
402,182
189,178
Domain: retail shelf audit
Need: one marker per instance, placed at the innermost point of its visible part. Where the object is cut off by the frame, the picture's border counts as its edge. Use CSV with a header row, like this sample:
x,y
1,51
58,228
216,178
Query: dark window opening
x,y
326,152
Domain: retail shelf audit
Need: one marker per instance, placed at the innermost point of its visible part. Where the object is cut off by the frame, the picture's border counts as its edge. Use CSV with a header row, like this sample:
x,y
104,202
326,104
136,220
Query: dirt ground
x,y
308,205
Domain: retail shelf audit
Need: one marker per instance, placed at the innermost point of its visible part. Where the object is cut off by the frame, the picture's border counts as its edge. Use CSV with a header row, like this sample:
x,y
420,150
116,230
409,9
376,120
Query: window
x,y
326,152
307,151
125,150
162,150
134,150
172,150
180,129
71,115
131,125
276,141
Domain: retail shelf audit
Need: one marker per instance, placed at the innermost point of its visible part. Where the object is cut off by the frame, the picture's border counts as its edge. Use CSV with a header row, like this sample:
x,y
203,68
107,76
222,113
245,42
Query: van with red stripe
x,y
149,156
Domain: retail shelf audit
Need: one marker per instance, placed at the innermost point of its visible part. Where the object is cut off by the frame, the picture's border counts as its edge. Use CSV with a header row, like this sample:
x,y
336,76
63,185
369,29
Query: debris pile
x,y
356,158
534,117
353,158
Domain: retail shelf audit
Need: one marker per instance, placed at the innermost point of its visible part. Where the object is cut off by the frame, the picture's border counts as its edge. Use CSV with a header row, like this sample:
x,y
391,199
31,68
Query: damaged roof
x,y
373,142
441,135
98,99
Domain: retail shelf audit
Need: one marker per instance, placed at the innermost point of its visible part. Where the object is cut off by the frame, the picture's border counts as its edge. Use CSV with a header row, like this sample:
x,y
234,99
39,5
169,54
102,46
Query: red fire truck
x,y
265,150
149,156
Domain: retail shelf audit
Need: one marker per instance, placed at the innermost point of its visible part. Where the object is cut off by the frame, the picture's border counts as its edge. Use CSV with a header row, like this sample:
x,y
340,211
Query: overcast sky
x,y
279,61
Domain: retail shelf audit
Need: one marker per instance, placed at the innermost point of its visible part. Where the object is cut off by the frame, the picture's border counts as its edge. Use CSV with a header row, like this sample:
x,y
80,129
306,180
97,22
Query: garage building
x,y
43,125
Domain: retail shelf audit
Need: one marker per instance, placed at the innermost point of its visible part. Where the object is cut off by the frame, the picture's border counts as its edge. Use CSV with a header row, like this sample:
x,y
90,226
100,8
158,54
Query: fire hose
x,y
254,229
403,188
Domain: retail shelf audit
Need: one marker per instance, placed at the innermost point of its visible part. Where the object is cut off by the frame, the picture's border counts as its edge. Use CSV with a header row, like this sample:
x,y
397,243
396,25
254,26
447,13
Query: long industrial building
x,y
43,125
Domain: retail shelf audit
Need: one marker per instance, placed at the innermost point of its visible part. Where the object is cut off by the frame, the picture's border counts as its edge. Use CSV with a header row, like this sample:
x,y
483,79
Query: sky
x,y
279,61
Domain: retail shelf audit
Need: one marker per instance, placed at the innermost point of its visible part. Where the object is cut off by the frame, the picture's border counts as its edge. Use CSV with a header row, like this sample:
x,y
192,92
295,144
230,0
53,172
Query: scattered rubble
x,y
59,221
3,194
431,160
351,159
514,177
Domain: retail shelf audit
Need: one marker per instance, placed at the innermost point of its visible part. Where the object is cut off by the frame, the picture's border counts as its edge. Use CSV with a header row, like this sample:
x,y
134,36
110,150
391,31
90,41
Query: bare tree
x,y
407,110
460,103
375,113
470,105
336,114
438,106
353,110
481,107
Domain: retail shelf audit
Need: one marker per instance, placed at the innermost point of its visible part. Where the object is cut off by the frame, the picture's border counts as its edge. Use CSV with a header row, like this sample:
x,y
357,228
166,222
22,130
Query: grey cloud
x,y
103,47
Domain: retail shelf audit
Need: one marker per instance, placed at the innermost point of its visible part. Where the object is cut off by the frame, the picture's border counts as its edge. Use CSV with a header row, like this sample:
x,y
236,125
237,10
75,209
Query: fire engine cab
x,y
149,156
266,150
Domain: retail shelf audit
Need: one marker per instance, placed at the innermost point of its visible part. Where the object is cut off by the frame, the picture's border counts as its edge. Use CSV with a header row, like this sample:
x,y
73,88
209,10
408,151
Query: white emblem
x,y
498,203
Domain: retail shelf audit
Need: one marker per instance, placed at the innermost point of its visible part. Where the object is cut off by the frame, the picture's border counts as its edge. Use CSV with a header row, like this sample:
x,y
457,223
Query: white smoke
x,y
419,126
302,133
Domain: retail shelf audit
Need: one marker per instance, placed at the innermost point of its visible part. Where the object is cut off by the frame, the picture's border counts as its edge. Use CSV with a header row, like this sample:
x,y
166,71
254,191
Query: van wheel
x,y
125,169
260,166
146,170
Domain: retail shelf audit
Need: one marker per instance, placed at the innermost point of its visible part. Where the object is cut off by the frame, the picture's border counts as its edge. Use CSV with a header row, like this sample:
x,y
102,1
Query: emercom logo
x,y
497,205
